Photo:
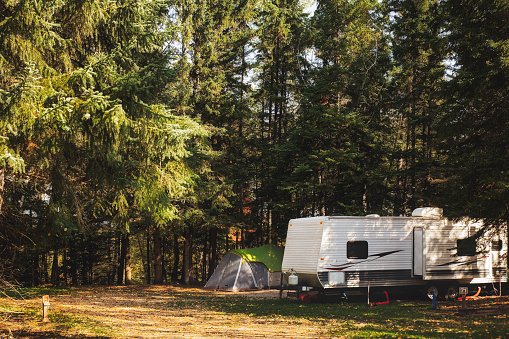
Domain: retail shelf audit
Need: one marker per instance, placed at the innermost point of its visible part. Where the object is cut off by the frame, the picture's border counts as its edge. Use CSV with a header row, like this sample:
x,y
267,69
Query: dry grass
x,y
178,312
145,312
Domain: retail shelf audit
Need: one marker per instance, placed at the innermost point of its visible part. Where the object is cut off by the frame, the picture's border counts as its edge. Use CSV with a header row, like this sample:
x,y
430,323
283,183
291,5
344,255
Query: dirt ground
x,y
151,312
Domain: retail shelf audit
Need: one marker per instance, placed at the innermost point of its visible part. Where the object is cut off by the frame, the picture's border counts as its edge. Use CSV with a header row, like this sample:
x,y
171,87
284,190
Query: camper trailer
x,y
345,253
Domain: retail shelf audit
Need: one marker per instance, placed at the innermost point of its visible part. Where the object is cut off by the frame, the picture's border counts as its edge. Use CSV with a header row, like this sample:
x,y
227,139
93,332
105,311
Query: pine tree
x,y
279,56
419,53
335,153
213,49
84,105
475,133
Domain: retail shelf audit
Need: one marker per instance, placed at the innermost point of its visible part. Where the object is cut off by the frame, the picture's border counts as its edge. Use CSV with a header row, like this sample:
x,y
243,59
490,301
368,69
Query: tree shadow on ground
x,y
24,334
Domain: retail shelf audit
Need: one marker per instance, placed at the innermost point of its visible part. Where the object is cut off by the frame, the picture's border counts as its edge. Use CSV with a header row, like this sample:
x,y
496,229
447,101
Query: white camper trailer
x,y
341,253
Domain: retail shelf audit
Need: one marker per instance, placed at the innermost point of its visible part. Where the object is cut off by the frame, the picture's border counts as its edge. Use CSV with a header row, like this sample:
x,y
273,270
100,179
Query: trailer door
x,y
417,251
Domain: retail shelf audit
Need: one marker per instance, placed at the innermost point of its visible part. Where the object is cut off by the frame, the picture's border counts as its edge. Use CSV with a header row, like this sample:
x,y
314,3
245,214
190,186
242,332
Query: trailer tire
x,y
452,292
430,290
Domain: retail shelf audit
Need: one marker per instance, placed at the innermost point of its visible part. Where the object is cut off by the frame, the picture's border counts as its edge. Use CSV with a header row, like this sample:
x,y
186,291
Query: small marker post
x,y
463,292
45,307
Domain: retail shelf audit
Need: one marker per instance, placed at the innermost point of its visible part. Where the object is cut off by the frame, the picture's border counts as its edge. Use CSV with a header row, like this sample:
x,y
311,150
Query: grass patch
x,y
72,323
396,320
406,319
26,321
32,292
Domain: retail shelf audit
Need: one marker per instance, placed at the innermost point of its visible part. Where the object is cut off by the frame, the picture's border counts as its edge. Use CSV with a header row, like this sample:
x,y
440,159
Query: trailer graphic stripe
x,y
459,262
340,267
459,273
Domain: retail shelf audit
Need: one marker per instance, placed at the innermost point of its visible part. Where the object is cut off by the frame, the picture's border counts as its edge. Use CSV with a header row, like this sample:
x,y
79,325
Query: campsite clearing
x,y
179,312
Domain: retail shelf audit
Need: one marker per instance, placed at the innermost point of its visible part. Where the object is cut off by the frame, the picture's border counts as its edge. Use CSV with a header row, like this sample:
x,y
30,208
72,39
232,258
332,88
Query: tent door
x,y
238,272
242,262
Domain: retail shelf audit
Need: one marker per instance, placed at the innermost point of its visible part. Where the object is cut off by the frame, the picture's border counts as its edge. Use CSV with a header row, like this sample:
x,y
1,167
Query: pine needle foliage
x,y
475,132
84,105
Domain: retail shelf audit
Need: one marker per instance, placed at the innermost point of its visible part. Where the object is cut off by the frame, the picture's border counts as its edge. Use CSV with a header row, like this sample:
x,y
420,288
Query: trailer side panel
x,y
302,248
387,261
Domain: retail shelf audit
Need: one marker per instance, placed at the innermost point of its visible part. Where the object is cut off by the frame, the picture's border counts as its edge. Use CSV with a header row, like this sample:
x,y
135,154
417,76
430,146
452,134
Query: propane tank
x,y
293,279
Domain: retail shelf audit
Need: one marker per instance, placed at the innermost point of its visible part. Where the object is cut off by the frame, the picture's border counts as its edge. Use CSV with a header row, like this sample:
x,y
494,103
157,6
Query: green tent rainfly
x,y
250,268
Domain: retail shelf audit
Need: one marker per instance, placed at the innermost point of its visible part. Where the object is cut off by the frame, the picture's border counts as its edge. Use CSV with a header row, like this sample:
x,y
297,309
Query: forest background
x,y
142,139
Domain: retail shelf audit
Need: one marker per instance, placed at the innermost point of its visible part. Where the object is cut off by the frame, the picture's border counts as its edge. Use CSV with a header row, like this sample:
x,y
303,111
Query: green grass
x,y
396,320
407,319
70,322
31,292
62,325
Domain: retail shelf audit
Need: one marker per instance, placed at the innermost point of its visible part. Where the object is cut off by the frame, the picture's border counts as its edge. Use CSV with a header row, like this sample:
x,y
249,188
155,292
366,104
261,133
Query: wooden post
x,y
500,284
463,292
45,307
368,294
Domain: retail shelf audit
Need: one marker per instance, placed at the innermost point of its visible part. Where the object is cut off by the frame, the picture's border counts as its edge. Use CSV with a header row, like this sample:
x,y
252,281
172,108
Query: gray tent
x,y
254,268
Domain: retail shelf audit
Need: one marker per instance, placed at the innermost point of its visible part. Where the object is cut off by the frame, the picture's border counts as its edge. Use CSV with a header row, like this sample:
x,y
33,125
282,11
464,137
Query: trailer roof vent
x,y
428,212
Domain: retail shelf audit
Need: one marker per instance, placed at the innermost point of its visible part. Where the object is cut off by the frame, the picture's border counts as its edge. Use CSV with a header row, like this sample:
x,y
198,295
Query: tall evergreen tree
x,y
214,49
475,131
279,56
336,153
418,53
83,87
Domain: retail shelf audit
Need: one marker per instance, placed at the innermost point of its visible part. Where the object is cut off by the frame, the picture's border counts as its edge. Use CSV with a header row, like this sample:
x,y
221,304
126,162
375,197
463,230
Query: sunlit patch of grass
x,y
31,317
31,292
70,322
397,320
408,319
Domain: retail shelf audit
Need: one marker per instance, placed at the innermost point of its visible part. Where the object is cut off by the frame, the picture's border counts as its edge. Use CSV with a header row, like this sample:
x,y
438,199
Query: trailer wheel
x,y
452,293
432,290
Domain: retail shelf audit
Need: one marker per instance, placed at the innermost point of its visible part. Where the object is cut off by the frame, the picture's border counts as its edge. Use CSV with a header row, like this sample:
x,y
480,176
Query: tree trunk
x,y
163,256
188,253
2,182
121,257
73,265
270,226
111,256
90,261
35,269
115,260
148,256
142,257
45,276
213,250
205,259
158,257
65,267
127,259
54,269
176,257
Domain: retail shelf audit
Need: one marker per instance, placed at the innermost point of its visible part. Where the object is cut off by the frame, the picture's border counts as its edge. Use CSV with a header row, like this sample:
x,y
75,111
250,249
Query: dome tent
x,y
250,268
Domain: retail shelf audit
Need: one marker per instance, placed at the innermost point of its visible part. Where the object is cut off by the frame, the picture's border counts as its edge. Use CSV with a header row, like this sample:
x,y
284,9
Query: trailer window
x,y
466,247
357,249
496,245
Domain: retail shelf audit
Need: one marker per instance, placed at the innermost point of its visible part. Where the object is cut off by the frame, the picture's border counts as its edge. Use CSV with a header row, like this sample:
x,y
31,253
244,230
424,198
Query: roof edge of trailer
x,y
418,213
366,217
